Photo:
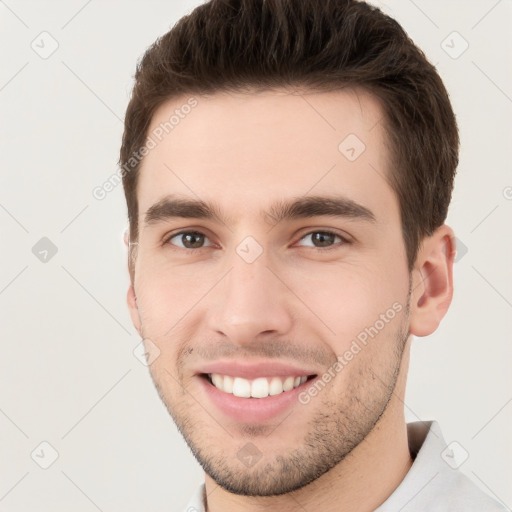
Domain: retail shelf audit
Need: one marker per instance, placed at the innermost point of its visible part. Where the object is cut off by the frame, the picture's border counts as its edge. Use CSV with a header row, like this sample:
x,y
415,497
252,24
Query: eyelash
x,y
344,240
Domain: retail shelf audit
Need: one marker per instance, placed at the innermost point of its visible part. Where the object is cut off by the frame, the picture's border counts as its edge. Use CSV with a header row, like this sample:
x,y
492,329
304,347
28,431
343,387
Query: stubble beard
x,y
337,427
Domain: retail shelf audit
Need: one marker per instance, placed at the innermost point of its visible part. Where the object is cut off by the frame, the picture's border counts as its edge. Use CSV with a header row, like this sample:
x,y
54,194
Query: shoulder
x,y
454,492
433,484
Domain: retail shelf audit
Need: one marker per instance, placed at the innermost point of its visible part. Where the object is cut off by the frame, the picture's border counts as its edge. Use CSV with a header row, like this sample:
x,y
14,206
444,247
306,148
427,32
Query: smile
x,y
261,387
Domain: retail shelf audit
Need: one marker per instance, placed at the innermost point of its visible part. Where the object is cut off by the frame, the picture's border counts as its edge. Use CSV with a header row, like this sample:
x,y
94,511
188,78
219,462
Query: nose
x,y
252,303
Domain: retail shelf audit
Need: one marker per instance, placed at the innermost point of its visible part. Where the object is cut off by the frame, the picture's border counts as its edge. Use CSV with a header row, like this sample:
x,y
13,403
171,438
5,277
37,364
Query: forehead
x,y
244,150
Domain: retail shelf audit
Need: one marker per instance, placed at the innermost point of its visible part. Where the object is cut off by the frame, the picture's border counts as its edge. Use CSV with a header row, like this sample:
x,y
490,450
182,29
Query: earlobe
x,y
131,253
432,284
133,308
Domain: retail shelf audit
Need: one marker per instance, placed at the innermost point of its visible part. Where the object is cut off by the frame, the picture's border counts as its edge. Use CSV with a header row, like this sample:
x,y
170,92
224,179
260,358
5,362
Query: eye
x,y
323,239
189,240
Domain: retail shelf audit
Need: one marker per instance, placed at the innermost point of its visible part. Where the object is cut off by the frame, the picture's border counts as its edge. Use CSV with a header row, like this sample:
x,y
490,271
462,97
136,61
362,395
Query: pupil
x,y
323,239
188,240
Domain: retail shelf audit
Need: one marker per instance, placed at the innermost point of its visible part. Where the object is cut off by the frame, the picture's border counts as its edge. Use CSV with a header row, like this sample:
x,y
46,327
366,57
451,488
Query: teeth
x,y
288,383
217,380
276,386
228,383
257,388
241,387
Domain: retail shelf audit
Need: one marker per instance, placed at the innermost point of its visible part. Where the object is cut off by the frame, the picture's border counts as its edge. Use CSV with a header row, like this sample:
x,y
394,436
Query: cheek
x,y
341,298
161,304
173,302
164,293
351,300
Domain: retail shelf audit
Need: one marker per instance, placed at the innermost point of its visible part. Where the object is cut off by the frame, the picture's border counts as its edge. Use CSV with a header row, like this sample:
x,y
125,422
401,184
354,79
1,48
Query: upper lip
x,y
253,370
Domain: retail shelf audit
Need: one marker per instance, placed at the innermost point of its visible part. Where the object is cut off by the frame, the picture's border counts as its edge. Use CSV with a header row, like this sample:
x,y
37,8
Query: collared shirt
x,y
433,483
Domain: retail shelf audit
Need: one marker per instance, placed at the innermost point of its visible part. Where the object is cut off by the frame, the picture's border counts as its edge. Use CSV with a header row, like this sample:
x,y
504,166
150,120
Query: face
x,y
270,262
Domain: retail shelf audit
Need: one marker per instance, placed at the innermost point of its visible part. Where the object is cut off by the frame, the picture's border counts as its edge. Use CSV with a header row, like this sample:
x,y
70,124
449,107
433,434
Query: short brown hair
x,y
318,45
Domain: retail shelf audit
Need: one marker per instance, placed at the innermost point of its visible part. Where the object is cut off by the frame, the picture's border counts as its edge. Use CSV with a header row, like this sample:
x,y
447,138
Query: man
x,y
288,166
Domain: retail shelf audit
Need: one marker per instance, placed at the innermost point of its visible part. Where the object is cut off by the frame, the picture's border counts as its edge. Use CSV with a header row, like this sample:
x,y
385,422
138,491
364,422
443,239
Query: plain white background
x,y
68,375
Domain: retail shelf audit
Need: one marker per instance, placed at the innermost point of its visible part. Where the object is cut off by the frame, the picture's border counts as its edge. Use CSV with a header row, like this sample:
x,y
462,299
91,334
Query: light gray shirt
x,y
433,484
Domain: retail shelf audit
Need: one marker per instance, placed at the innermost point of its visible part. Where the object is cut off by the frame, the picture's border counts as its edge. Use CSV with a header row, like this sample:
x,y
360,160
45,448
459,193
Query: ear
x,y
432,281
126,240
133,308
131,298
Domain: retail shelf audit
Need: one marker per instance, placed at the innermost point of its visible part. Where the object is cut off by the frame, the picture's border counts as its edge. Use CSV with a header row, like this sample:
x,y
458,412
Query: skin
x,y
346,449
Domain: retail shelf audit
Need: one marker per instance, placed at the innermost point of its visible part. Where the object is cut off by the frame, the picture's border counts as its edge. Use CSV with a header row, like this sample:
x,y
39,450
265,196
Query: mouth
x,y
254,401
261,387
253,391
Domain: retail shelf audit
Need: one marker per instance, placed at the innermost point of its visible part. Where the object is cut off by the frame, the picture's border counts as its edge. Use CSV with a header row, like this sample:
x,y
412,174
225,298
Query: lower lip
x,y
253,410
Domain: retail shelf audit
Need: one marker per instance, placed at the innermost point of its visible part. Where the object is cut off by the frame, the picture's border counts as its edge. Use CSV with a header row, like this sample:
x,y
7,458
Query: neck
x,y
359,483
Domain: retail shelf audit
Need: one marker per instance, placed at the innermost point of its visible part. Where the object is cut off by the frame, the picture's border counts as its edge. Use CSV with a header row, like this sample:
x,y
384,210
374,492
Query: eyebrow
x,y
171,207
